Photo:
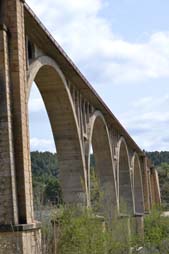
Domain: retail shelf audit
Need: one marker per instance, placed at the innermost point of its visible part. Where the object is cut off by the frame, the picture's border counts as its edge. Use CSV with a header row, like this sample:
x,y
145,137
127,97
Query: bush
x,y
79,231
157,231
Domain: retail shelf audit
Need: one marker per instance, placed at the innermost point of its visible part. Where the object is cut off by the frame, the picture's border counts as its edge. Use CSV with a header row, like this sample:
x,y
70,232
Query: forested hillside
x,y
161,161
158,157
45,170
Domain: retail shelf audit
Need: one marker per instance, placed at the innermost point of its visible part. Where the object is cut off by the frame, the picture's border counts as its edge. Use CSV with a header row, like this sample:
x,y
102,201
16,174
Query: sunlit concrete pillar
x,y
155,188
146,189
8,197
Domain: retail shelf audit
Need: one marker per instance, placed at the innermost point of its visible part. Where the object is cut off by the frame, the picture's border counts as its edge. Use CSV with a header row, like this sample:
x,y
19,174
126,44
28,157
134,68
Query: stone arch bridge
x,y
79,119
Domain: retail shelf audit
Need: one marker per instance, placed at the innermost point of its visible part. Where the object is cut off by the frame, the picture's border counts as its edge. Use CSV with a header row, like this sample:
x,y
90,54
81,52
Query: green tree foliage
x,y
163,172
161,161
81,232
96,195
44,164
156,231
45,171
158,157
53,190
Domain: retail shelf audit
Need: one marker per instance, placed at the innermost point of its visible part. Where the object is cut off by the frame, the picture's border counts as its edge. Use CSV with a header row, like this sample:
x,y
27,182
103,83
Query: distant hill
x,y
46,186
161,161
44,163
158,157
47,163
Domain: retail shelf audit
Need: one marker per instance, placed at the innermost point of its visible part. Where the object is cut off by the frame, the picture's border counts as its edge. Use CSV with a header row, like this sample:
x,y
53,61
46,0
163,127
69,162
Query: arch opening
x,y
59,107
103,168
138,187
45,171
125,191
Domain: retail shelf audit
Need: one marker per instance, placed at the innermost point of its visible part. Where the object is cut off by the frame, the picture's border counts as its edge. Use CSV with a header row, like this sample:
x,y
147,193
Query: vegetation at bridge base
x,y
157,232
80,231
75,230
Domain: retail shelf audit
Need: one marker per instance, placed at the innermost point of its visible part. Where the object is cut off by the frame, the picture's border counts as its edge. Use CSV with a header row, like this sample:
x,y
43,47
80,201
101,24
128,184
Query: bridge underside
x,y
79,119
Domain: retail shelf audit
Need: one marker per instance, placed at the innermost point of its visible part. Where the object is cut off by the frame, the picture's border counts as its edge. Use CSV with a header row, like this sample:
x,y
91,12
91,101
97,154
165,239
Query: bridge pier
x,y
20,239
122,232
8,197
155,187
18,231
137,226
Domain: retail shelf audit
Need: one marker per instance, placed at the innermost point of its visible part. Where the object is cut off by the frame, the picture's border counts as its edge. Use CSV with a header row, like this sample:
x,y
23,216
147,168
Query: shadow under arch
x,y
100,141
137,185
124,179
59,106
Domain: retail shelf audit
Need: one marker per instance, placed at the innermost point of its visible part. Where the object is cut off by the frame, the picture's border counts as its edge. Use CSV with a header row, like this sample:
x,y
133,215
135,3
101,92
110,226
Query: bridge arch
x,y
59,106
100,141
125,194
137,185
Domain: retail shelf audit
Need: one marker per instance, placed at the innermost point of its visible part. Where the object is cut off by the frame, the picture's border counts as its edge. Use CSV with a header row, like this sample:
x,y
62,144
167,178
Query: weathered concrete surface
x,y
25,242
79,120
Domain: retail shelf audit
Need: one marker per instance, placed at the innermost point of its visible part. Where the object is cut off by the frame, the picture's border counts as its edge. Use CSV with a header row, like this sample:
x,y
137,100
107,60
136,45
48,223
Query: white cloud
x,y
90,41
148,122
42,145
150,102
36,104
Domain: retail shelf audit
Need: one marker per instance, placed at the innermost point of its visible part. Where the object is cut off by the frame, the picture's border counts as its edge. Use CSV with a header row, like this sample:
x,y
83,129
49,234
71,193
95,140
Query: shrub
x,y
157,231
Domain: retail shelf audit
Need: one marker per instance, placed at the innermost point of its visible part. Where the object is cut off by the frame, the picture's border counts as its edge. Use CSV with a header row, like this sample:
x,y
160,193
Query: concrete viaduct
x,y
79,119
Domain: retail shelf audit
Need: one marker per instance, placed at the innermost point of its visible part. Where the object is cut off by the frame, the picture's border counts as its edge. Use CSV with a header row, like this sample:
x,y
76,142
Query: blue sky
x,y
122,47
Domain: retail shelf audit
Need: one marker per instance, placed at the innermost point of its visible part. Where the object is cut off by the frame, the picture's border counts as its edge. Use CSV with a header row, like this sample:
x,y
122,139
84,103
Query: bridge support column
x,y
20,239
155,188
137,226
146,189
14,20
19,232
122,233
8,198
